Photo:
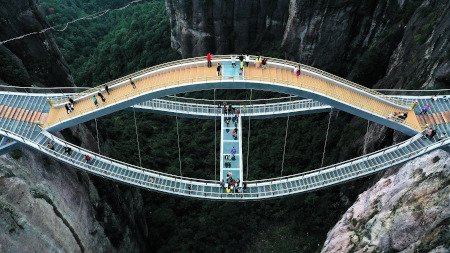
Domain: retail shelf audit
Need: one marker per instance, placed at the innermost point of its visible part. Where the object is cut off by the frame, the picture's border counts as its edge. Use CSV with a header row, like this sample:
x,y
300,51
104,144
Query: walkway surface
x,y
363,100
231,164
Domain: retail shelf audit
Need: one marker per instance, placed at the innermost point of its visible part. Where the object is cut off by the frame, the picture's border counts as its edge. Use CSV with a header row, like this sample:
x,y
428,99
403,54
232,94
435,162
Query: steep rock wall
x,y
223,26
33,60
408,210
405,43
48,206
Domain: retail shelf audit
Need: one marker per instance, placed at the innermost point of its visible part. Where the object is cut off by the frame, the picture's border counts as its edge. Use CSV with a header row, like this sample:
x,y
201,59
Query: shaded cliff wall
x,y
48,206
404,41
33,60
224,26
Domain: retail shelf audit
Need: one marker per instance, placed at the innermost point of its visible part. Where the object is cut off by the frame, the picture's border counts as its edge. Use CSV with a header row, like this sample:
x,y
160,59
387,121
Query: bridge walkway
x,y
231,163
200,73
22,114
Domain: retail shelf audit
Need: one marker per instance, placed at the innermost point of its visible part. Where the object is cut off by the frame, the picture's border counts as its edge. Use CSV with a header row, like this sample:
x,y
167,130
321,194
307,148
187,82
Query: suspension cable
x,y
137,137
98,139
326,137
179,149
248,136
215,138
87,17
285,141
366,137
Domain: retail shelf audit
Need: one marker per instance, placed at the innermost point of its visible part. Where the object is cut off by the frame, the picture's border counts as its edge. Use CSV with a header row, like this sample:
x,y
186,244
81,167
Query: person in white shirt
x,y
247,60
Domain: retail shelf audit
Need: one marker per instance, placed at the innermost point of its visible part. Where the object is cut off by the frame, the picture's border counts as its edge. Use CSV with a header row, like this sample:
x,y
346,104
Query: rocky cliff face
x,y
406,42
224,26
408,210
46,206
33,60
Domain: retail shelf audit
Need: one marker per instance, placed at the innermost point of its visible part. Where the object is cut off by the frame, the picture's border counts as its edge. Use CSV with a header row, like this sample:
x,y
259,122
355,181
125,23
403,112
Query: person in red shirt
x,y
88,159
208,57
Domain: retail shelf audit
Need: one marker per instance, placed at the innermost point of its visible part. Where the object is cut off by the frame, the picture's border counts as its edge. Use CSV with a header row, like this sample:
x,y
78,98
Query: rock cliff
x,y
408,210
47,206
404,43
33,60
224,26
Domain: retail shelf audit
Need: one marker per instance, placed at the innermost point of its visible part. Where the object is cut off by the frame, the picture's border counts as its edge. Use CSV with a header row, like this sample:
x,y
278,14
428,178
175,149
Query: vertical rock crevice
x,y
46,198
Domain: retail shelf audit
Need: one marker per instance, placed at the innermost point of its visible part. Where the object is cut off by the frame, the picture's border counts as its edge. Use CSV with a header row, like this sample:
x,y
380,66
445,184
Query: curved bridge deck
x,y
192,74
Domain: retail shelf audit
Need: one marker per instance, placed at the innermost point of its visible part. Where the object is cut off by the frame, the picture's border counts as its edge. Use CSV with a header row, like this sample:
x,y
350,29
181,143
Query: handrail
x,y
250,184
396,147
66,143
331,76
233,100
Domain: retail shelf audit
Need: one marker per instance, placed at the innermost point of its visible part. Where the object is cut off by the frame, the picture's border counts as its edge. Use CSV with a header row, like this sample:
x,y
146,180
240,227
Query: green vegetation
x,y
129,40
118,43
16,154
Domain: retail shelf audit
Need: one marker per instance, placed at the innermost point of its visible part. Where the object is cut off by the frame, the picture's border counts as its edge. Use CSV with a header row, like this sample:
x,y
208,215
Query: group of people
x,y
232,185
399,115
244,61
67,149
235,119
261,62
101,96
228,160
70,105
229,109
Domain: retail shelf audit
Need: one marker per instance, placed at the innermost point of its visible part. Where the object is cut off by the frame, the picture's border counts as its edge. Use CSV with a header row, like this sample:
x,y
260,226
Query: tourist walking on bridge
x,y
101,96
94,99
71,103
247,60
233,61
208,58
425,109
258,62
233,153
241,58
264,63
67,108
132,84
297,71
219,68
107,89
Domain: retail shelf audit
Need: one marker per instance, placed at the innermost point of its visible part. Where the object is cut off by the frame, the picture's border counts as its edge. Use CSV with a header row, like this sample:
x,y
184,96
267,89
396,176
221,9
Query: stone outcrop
x,y
33,60
46,207
224,26
408,210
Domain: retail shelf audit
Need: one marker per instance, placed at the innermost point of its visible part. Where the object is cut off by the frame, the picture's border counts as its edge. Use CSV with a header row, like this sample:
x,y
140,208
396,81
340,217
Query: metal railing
x,y
186,63
246,110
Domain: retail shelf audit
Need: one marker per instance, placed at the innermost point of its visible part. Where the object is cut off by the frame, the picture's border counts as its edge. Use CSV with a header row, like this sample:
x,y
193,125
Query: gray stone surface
x,y
46,207
408,210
